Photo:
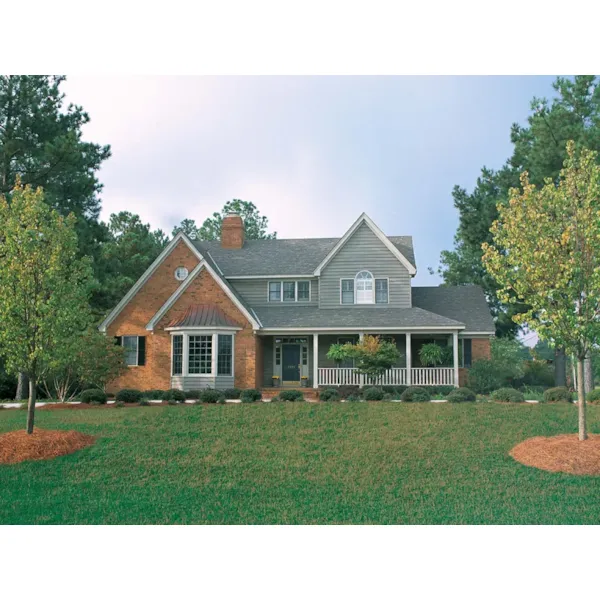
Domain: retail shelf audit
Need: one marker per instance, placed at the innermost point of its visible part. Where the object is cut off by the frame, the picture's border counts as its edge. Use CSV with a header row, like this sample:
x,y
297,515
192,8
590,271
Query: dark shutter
x,y
467,352
119,340
141,350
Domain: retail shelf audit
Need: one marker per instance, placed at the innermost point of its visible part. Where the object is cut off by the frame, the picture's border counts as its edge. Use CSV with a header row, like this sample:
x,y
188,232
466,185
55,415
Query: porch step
x,y
271,392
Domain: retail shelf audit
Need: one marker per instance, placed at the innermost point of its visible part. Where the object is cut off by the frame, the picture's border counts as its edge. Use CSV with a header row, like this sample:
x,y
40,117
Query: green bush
x,y
329,395
119,404
250,395
88,396
462,394
144,402
192,394
175,394
232,393
129,396
558,394
373,394
507,395
415,394
211,396
483,377
155,395
394,390
291,396
593,396
538,373
346,391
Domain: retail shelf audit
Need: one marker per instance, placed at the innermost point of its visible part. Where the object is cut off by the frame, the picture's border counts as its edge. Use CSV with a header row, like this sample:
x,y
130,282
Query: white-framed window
x,y
202,353
381,291
225,354
177,359
289,291
181,273
364,287
135,349
347,291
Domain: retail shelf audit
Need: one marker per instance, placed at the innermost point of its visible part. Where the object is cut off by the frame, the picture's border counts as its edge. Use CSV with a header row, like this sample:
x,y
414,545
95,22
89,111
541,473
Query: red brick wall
x,y
480,348
232,232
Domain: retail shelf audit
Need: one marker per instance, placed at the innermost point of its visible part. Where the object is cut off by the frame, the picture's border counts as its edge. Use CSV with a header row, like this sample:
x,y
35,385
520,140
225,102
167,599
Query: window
x,y
347,291
464,353
274,291
364,288
200,354
277,355
177,354
381,291
135,349
289,291
181,273
225,354
305,355
303,291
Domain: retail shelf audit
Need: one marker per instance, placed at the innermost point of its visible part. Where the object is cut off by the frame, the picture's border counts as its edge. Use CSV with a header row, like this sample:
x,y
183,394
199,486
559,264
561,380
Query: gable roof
x,y
283,257
203,315
466,303
364,218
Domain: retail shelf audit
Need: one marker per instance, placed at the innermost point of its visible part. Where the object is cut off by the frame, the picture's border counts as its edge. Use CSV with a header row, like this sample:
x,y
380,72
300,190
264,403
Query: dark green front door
x,y
290,365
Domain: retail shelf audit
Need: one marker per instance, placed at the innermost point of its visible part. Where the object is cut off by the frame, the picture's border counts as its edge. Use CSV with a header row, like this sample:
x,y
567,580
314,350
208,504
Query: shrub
x,y
174,394
291,396
232,393
538,373
250,395
88,396
345,391
211,396
119,404
484,377
373,394
461,395
353,398
192,394
593,396
507,395
155,395
415,394
558,394
129,396
144,402
329,395
395,390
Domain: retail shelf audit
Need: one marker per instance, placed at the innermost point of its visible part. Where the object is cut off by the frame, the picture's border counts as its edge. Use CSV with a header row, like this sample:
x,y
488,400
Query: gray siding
x,y
365,251
184,383
254,291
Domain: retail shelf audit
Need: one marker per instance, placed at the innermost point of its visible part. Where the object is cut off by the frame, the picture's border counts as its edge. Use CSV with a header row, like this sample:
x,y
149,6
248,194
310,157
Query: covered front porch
x,y
292,359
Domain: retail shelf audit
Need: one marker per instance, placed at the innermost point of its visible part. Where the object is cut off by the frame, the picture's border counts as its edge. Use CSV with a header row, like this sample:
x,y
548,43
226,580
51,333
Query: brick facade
x,y
480,348
156,373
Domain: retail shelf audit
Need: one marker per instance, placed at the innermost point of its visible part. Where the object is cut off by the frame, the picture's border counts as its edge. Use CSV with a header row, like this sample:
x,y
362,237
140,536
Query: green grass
x,y
300,463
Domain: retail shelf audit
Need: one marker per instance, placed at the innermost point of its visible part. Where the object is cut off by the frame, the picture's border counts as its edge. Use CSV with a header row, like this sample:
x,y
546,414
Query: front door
x,y
290,365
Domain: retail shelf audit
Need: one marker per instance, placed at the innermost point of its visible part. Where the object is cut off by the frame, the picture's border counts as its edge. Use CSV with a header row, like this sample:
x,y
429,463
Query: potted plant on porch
x,y
275,380
304,381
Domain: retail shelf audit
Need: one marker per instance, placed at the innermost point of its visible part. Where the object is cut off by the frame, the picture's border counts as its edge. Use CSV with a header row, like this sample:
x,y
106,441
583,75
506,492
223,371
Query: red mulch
x,y
560,454
17,446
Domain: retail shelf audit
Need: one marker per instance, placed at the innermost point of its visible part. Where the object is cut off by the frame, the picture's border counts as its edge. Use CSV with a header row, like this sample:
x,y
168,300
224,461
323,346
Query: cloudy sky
x,y
311,152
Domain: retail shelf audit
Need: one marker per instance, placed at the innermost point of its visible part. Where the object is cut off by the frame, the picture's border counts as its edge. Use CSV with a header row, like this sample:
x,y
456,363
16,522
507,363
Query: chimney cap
x,y
233,214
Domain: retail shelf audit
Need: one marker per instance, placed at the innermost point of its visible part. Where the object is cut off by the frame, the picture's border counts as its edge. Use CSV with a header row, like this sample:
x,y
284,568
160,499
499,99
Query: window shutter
x,y
467,352
119,340
141,350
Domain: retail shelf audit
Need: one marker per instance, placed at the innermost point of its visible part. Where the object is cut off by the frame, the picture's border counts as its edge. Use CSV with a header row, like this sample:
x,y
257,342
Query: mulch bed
x,y
560,454
17,446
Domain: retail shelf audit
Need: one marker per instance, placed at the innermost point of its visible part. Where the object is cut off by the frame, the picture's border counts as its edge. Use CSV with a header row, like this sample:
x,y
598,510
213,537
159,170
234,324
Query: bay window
x,y
202,354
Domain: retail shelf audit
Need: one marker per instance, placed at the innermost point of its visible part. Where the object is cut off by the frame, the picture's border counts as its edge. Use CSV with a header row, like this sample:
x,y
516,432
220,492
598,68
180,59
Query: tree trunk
x,y
581,401
588,374
31,405
560,368
22,385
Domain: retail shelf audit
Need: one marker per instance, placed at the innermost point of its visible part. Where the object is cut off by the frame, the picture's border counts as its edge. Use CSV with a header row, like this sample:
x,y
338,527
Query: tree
x,y
130,249
538,148
255,224
546,252
44,304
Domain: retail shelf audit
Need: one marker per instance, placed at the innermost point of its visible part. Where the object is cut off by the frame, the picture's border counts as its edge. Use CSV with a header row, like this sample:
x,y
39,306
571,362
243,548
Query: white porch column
x,y
455,355
408,360
315,360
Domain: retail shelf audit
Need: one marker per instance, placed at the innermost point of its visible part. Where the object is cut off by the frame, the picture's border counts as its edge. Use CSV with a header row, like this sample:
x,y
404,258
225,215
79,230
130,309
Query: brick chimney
x,y
232,232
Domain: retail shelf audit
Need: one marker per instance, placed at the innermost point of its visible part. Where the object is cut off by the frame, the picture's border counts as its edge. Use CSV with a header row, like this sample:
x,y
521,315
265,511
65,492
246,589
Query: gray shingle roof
x,y
282,257
464,303
203,315
359,317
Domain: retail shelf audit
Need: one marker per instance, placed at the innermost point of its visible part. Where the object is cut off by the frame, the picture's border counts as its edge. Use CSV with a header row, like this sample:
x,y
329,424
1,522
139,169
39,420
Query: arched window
x,y
363,284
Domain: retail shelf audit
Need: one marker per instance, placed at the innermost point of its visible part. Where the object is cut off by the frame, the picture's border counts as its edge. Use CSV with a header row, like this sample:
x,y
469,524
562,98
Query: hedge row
x,y
208,395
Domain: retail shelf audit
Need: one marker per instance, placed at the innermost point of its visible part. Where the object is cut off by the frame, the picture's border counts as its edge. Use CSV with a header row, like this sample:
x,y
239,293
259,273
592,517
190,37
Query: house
x,y
251,313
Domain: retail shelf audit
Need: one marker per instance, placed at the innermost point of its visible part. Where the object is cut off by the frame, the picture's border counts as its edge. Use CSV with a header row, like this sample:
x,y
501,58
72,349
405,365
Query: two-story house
x,y
248,313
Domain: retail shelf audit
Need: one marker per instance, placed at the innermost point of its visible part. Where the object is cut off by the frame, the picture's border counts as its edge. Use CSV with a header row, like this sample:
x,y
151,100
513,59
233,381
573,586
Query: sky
x,y
312,153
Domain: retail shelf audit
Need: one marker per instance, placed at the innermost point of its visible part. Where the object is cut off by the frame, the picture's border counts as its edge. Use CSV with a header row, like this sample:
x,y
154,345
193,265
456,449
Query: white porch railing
x,y
421,376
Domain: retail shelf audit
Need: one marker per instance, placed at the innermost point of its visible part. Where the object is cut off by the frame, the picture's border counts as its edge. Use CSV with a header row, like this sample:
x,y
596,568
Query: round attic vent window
x,y
181,273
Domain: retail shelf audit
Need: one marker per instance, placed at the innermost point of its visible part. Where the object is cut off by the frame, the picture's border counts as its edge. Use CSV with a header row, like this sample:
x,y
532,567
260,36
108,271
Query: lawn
x,y
375,463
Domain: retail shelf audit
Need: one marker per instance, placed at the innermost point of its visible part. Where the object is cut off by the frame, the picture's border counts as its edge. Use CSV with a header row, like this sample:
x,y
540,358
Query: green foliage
x,y
211,396
174,394
538,373
329,395
144,402
250,395
593,396
255,224
373,394
483,377
232,393
8,382
558,394
119,404
340,352
372,356
507,395
291,396
415,394
192,394
92,395
443,390
172,402
432,355
129,396
156,394
462,394
345,391
353,398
